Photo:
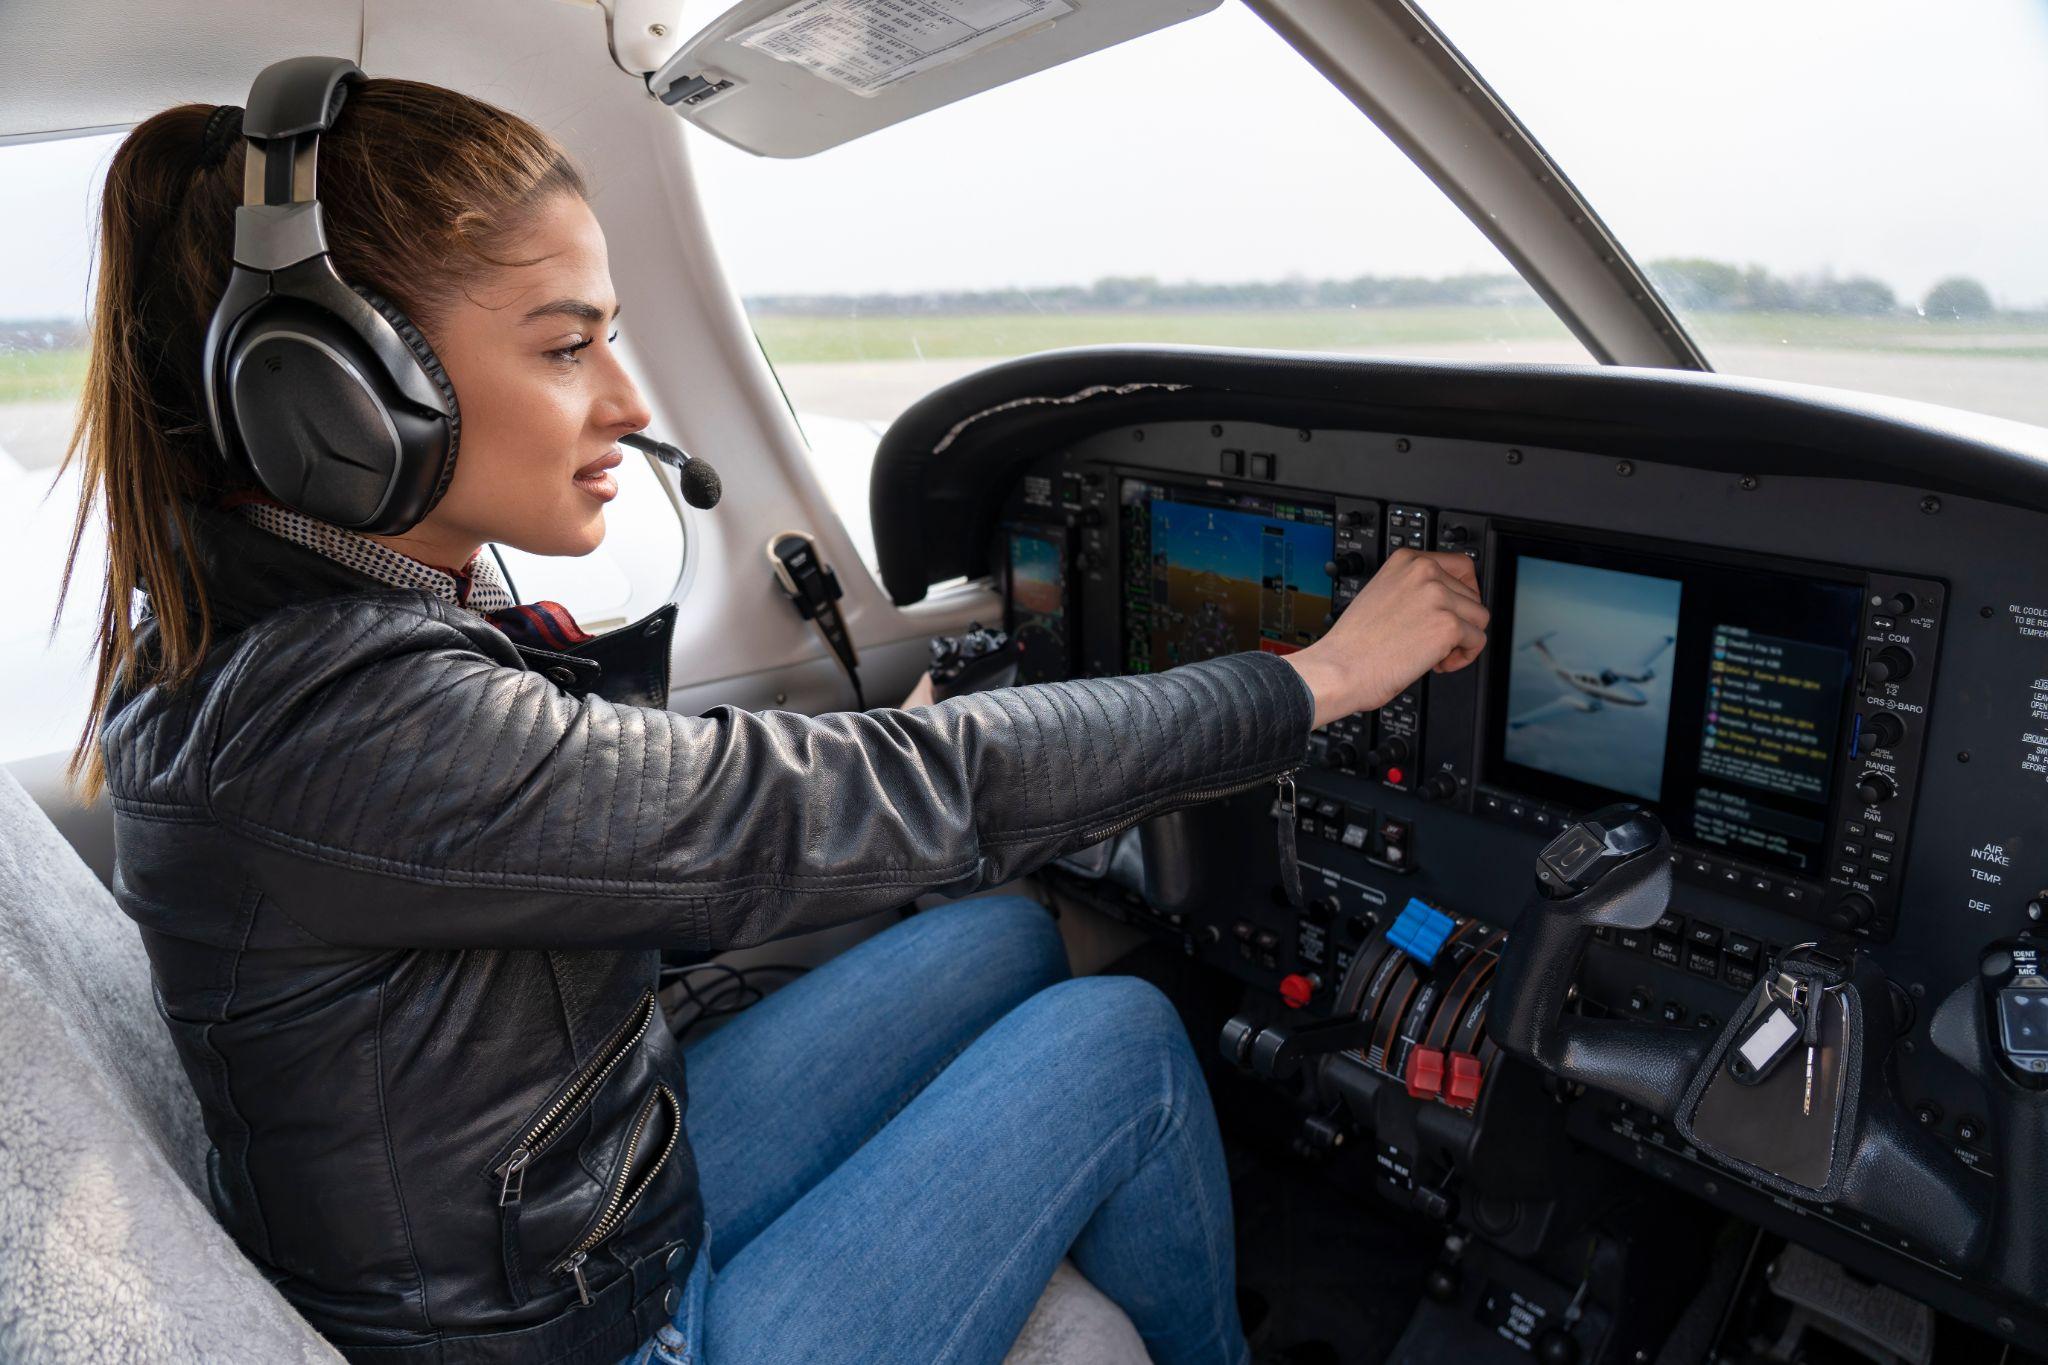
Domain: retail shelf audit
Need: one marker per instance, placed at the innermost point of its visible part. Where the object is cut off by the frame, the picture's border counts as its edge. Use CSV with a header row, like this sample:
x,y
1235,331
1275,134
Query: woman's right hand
x,y
1420,613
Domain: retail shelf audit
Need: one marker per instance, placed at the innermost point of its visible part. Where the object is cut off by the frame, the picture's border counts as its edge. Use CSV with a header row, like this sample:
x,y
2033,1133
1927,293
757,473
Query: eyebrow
x,y
575,308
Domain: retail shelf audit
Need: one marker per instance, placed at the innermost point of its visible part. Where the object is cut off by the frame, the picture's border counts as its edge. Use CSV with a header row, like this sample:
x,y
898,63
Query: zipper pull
x,y
515,1178
576,1269
1284,819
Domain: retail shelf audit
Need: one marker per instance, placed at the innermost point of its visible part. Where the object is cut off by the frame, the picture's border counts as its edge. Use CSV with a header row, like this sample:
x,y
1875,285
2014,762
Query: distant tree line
x,y
43,334
1139,293
1691,283
1695,283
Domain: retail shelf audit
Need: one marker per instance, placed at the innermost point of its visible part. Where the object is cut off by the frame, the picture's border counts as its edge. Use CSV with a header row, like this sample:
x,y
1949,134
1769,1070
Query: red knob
x,y
1296,990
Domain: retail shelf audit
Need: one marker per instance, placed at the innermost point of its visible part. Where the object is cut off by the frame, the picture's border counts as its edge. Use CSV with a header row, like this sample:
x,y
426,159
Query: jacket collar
x,y
247,573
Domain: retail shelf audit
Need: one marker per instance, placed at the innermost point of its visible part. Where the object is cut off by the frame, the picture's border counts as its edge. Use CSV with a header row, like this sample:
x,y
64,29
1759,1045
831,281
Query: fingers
x,y
1444,566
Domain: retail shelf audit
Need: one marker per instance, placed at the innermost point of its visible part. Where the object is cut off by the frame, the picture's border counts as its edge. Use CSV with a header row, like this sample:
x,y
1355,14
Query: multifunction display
x,y
1715,691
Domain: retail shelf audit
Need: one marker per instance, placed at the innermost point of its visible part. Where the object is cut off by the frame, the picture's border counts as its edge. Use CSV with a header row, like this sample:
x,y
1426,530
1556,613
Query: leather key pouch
x,y
1763,1128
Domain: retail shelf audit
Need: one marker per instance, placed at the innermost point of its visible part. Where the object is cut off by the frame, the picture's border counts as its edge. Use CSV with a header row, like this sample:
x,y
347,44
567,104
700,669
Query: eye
x,y
567,354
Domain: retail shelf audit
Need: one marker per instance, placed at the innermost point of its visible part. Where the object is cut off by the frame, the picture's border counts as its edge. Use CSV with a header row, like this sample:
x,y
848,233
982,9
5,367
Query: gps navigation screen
x,y
1208,573
1713,691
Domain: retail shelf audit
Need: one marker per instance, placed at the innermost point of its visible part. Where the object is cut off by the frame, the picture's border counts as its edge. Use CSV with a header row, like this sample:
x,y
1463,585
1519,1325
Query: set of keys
x,y
1792,1018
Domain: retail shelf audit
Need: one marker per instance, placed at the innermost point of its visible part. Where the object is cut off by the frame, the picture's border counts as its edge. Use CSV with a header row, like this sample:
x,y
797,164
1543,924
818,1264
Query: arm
x,y
393,783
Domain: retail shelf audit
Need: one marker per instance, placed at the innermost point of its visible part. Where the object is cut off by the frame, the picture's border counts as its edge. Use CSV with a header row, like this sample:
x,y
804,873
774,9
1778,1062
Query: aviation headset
x,y
319,388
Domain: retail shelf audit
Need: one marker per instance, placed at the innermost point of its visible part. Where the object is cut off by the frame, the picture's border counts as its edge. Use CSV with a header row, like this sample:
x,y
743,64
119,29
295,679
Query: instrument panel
x,y
1833,691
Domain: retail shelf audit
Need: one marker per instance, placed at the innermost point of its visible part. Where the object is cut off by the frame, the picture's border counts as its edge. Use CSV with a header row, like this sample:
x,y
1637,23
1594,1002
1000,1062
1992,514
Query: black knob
x,y
1322,910
1892,604
1347,564
1556,1346
1881,730
1441,1283
1091,516
1887,665
1352,519
1084,561
1357,928
1389,751
1852,912
1452,535
1344,754
1439,786
1873,788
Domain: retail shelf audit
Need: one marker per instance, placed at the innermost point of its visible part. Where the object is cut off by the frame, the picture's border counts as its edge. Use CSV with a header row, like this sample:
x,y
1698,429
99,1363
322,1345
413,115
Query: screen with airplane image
x,y
1714,691
1589,682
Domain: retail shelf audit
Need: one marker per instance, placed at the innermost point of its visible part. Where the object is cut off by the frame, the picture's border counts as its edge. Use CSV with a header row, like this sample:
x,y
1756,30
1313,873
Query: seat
x,y
108,1248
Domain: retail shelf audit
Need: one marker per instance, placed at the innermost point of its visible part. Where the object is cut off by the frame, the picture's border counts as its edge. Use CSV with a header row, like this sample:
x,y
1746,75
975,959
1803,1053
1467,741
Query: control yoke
x,y
1613,870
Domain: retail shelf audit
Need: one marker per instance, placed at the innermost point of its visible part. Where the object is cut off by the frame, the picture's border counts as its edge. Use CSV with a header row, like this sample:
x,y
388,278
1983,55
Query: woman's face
x,y
543,398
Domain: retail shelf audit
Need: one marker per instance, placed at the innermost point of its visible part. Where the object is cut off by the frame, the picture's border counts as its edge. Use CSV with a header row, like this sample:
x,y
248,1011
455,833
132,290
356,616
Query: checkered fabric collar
x,y
474,587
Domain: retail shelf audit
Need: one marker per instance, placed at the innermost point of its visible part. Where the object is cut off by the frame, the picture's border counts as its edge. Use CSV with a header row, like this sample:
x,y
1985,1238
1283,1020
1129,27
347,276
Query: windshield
x,y
1115,198
1851,194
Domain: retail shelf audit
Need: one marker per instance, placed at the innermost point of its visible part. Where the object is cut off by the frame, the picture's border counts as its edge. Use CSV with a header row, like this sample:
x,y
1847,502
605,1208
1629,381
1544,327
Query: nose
x,y
621,405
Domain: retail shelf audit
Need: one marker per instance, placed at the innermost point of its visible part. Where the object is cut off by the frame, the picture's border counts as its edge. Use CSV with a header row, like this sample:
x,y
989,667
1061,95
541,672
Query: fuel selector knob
x,y
1875,788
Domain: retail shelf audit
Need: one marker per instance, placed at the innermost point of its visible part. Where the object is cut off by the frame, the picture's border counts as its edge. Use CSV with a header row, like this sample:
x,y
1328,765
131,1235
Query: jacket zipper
x,y
1186,798
551,1125
618,1203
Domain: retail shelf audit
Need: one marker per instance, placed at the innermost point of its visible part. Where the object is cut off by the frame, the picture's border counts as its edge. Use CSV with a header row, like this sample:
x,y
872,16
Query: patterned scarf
x,y
474,587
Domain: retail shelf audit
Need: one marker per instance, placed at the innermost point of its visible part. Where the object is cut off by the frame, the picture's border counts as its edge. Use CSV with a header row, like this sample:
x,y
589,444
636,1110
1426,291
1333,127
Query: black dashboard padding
x,y
947,462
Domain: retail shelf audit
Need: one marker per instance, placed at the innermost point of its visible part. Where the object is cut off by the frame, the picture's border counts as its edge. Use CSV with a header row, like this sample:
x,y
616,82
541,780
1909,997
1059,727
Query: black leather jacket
x,y
403,883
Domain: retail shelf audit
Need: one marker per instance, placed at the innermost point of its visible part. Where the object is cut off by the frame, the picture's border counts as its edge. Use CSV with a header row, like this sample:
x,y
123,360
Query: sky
x,y
1896,138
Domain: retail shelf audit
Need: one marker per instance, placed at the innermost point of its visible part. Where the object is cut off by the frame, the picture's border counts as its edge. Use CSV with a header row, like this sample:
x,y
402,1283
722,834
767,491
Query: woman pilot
x,y
404,890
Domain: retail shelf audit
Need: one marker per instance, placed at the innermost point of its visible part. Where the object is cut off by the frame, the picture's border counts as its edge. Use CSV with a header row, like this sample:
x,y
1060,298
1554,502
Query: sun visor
x,y
791,77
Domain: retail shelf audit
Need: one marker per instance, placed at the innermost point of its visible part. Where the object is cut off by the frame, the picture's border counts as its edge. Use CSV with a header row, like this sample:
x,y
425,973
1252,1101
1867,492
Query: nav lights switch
x,y
1420,931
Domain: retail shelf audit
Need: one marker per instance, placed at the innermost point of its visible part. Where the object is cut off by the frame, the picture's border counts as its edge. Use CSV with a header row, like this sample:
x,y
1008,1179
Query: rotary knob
x,y
1880,730
1889,664
1854,911
1873,788
1348,564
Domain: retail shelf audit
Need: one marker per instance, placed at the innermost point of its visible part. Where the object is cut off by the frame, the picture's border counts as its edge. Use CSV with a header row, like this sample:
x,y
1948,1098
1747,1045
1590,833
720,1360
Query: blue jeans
x,y
897,1148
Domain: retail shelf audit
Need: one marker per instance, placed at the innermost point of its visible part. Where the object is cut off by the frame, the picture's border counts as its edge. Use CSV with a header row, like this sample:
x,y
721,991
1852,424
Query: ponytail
x,y
162,257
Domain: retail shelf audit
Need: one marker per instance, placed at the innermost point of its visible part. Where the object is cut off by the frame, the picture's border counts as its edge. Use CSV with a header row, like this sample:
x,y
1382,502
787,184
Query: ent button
x,y
1420,931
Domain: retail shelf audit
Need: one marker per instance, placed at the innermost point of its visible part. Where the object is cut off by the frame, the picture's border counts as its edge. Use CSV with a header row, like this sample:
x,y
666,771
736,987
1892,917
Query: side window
x,y
1202,185
49,193
49,198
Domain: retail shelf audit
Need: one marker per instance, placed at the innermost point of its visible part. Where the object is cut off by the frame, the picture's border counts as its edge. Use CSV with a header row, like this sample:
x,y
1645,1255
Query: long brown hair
x,y
420,188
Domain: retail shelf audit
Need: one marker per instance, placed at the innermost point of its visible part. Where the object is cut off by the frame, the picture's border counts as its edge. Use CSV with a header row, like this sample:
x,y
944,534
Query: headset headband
x,y
290,105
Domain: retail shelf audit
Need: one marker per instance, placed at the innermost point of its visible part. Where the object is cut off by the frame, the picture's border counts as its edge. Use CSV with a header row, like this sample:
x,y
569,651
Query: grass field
x,y
41,376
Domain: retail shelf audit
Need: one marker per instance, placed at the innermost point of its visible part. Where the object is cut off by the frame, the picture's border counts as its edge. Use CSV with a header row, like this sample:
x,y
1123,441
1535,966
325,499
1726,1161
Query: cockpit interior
x,y
1666,986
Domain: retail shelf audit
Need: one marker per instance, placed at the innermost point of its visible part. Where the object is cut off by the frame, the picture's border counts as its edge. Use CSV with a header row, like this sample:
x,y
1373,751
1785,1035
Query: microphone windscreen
x,y
701,487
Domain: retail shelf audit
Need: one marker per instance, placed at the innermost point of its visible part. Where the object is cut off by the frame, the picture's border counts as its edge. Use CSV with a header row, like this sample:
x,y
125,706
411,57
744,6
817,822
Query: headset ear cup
x,y
431,365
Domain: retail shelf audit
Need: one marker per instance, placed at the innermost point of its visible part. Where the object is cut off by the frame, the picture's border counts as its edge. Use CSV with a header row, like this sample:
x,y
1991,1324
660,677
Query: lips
x,y
611,459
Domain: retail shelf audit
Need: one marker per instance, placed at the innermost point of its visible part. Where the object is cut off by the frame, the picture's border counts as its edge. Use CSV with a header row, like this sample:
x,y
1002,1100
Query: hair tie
x,y
223,130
